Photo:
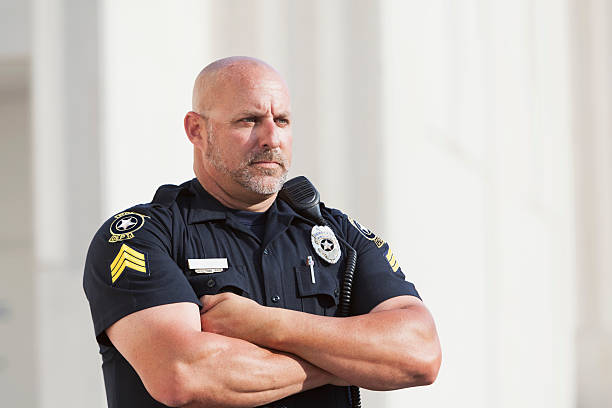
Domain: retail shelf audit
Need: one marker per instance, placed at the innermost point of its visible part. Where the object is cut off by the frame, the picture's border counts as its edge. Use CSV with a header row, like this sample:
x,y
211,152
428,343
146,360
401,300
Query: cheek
x,y
233,143
287,146
237,148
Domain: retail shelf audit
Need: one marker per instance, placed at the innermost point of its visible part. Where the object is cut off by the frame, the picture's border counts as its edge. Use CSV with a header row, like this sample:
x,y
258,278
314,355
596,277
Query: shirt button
x,y
210,283
336,292
266,252
275,298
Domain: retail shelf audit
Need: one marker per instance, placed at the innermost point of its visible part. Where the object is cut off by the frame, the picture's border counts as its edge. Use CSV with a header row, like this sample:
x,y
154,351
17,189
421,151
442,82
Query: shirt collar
x,y
205,207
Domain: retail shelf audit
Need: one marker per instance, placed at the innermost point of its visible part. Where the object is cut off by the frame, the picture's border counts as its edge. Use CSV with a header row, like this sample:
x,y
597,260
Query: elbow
x,y
429,371
417,369
172,388
410,370
424,371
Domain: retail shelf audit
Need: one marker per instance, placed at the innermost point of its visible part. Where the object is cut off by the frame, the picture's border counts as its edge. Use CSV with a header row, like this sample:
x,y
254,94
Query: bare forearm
x,y
384,350
393,346
239,374
180,365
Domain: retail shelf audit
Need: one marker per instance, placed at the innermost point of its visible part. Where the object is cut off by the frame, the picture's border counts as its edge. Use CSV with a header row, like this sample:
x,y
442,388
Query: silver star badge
x,y
325,243
126,223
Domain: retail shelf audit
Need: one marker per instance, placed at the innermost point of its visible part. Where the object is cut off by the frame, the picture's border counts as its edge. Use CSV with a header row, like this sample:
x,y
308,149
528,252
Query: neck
x,y
237,200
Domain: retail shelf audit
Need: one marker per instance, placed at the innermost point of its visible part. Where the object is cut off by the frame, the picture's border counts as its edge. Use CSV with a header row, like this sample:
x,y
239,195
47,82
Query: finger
x,y
208,302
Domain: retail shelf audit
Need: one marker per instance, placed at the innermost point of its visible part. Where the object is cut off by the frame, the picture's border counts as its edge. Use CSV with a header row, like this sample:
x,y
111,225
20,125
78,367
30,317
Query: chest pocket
x,y
321,297
233,279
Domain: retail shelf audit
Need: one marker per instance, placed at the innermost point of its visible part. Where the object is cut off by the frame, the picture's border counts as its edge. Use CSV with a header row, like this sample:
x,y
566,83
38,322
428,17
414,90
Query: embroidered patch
x,y
392,261
125,224
127,258
367,233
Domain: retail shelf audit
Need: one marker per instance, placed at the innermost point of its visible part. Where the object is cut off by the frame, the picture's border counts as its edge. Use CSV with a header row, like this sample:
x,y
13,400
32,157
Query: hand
x,y
234,316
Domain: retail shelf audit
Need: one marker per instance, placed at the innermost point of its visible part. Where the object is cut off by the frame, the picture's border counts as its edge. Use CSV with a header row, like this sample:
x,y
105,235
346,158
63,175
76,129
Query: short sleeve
x,y
129,268
378,275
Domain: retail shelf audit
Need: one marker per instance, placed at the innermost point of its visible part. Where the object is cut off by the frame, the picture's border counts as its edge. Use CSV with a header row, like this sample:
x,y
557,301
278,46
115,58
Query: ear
x,y
195,129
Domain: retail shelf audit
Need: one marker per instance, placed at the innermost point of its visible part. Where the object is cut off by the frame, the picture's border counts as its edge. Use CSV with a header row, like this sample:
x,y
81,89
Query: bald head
x,y
214,79
240,126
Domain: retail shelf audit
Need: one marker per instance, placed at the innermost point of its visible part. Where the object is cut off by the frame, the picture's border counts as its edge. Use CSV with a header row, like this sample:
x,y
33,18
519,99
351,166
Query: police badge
x,y
325,243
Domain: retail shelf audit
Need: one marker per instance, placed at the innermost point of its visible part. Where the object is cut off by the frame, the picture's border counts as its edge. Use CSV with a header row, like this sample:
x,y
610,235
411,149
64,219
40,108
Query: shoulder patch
x,y
125,224
366,232
127,258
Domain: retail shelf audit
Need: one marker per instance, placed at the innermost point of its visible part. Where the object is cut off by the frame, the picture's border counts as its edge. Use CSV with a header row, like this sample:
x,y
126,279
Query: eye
x,y
250,119
282,122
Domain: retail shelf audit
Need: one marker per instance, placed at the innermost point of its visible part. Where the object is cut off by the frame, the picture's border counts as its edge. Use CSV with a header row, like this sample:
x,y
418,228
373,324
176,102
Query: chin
x,y
265,185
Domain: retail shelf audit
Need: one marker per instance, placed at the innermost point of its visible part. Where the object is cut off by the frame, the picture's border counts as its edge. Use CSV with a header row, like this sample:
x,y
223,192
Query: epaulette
x,y
167,194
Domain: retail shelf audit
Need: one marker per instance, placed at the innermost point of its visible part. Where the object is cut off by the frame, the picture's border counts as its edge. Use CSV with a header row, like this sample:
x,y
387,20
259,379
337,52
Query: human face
x,y
249,134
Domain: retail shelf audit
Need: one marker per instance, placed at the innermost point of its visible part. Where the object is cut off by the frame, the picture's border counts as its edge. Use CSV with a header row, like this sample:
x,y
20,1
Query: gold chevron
x,y
127,258
392,261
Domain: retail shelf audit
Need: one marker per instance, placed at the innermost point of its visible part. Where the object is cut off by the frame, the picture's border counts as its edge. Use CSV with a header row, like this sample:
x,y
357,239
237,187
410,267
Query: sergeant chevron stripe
x,y
127,258
392,261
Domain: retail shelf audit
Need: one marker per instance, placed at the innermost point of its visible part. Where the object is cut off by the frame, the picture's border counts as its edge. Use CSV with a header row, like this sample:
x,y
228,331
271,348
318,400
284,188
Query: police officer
x,y
218,294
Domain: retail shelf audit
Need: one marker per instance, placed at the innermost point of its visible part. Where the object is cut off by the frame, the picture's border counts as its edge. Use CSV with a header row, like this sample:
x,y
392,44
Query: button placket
x,y
272,280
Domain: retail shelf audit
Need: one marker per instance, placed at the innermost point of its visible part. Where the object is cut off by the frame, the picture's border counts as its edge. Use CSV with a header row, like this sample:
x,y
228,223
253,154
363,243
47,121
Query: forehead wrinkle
x,y
259,104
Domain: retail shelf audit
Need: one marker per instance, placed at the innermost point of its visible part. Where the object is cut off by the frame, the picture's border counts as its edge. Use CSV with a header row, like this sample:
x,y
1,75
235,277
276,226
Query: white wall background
x,y
479,193
473,136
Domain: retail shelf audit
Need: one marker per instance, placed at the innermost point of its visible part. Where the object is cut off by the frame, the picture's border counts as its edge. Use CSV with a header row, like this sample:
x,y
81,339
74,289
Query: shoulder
x,y
334,215
168,194
138,221
131,263
145,224
350,227
159,213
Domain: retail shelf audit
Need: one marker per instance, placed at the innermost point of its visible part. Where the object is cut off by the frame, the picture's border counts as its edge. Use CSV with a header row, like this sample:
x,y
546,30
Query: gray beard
x,y
247,176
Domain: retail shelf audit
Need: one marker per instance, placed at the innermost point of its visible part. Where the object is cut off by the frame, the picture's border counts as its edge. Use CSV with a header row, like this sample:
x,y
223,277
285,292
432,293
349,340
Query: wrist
x,y
274,331
263,326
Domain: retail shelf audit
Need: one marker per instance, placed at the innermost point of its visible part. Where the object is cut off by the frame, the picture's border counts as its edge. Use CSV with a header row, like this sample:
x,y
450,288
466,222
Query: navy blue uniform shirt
x,y
139,259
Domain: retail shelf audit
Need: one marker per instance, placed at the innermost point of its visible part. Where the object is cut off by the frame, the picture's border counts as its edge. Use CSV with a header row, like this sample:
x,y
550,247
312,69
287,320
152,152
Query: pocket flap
x,y
233,279
325,284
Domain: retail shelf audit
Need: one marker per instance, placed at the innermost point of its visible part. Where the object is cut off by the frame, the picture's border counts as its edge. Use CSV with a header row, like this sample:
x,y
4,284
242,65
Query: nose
x,y
268,136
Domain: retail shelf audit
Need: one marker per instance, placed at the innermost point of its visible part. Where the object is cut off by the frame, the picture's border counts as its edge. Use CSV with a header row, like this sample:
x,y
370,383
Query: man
x,y
218,294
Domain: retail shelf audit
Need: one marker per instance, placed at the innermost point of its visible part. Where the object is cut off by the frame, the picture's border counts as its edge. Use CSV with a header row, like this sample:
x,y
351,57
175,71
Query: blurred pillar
x,y
477,175
592,65
151,52
66,158
19,376
18,368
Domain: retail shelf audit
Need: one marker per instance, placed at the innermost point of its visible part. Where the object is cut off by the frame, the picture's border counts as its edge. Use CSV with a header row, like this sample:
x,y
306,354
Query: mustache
x,y
268,155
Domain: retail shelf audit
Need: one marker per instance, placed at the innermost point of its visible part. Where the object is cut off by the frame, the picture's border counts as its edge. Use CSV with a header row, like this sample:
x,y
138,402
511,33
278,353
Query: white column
x,y
478,193
19,377
433,109
592,64
66,196
148,69
529,167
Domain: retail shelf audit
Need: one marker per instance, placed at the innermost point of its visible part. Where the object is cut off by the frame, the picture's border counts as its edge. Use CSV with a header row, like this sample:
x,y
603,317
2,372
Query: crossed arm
x,y
241,354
